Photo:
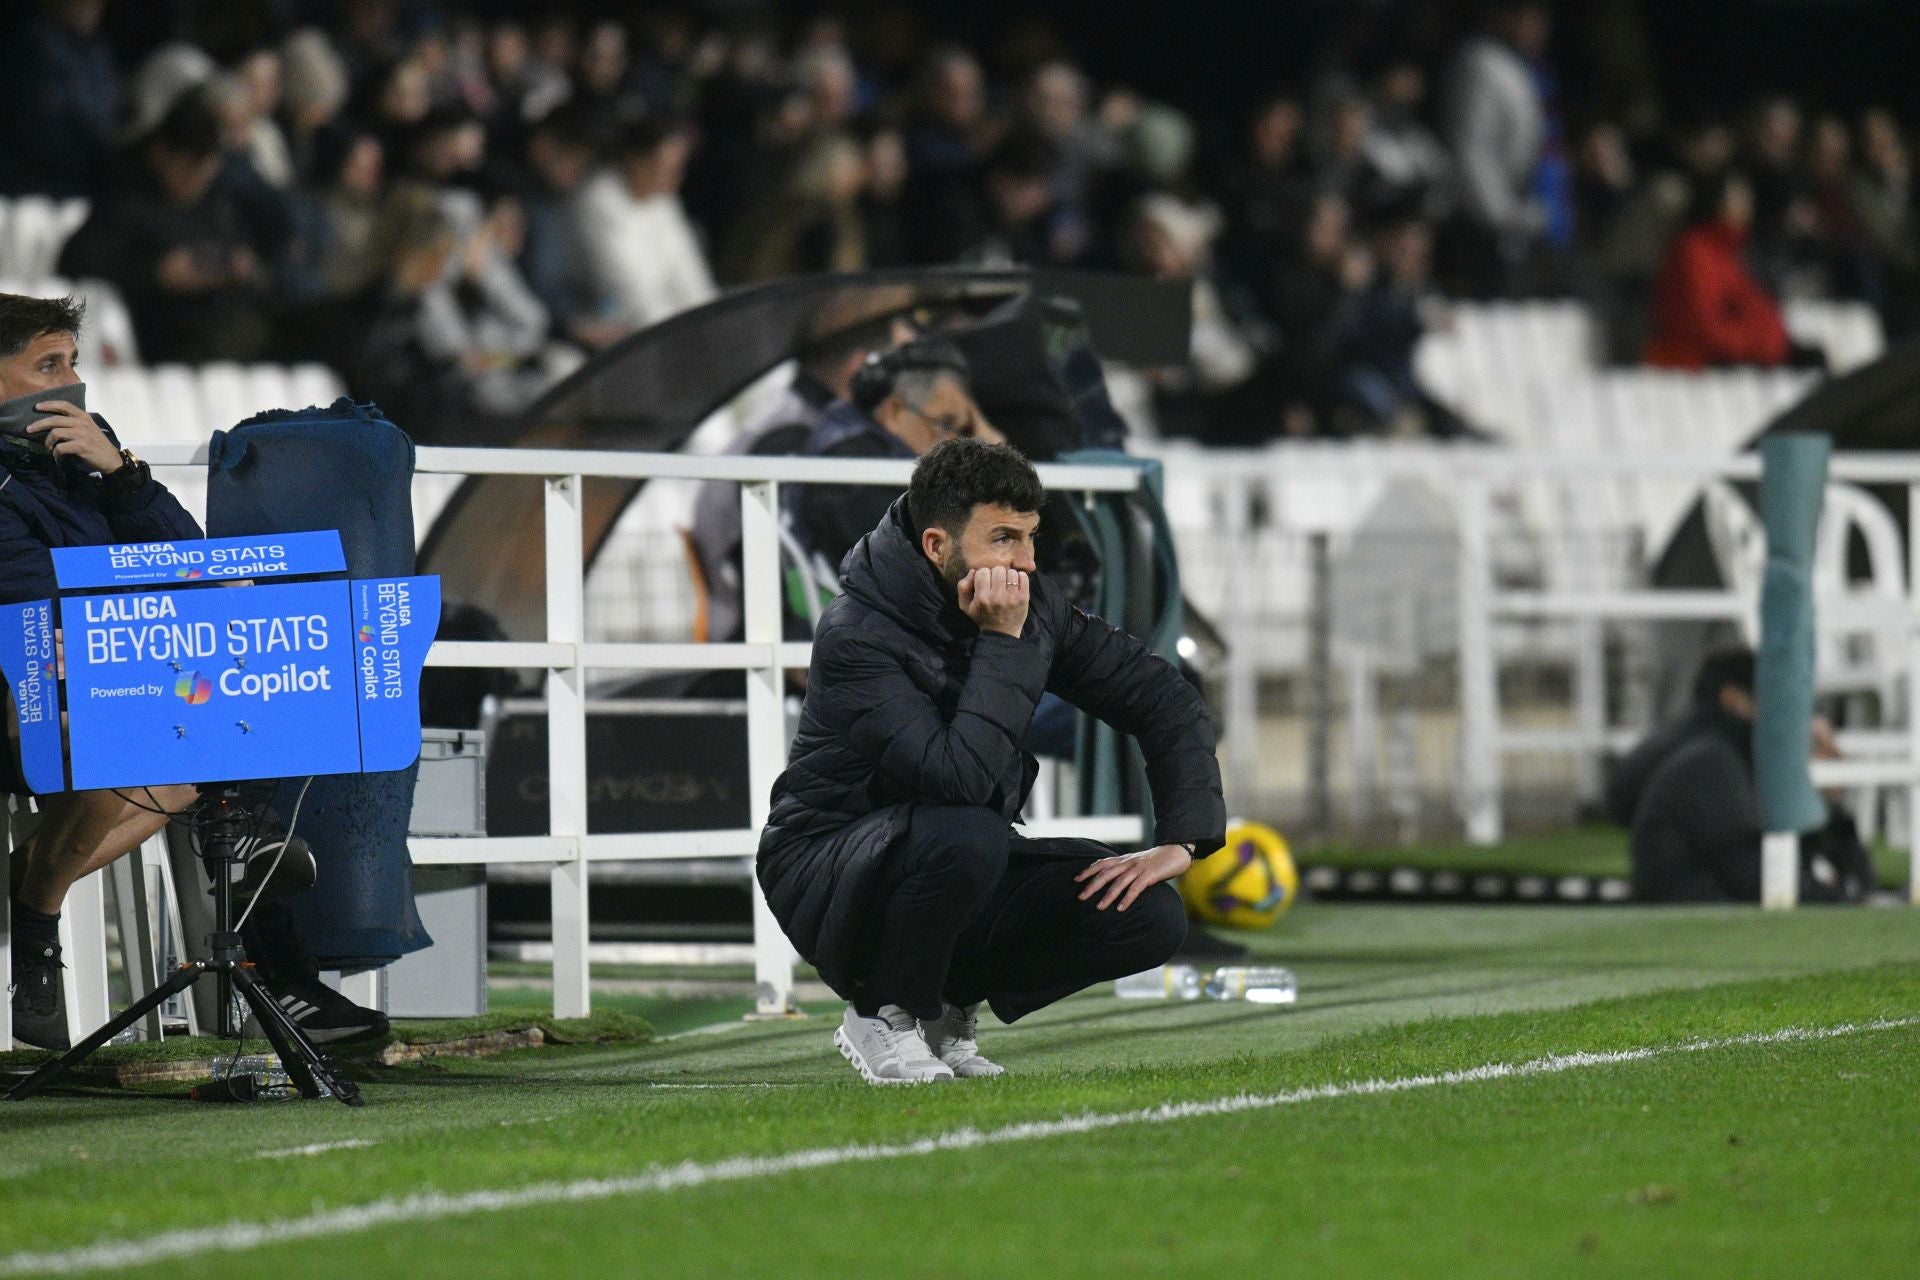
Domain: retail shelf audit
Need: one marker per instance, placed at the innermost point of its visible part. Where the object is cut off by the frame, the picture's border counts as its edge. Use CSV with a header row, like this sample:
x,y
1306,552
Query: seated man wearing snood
x,y
66,482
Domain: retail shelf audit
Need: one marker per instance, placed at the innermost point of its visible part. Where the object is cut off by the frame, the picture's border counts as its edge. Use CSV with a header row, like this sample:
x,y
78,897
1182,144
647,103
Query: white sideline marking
x,y
314,1149
432,1206
743,1084
712,1030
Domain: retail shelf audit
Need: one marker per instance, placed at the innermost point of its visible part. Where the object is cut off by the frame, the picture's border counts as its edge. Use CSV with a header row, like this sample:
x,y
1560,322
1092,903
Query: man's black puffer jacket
x,y
44,504
908,701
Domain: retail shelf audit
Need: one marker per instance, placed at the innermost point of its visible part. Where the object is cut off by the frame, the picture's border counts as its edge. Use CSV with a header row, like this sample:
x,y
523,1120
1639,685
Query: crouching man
x,y
889,856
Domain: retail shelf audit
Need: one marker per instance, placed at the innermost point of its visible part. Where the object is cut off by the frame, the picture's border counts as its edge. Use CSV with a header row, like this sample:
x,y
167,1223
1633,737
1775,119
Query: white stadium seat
x,y
224,398
1849,332
269,386
123,397
108,337
177,417
33,231
312,386
1490,362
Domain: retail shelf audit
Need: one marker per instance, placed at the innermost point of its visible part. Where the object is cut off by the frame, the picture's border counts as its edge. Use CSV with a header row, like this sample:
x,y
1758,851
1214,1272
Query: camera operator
x,y
900,404
65,481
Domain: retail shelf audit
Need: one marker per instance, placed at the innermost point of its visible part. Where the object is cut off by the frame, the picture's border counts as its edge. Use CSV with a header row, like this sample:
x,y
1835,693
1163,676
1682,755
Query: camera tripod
x,y
307,1067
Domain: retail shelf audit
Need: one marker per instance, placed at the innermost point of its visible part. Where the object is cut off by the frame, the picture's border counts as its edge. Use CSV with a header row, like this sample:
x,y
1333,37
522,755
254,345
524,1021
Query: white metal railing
x,y
1312,488
566,657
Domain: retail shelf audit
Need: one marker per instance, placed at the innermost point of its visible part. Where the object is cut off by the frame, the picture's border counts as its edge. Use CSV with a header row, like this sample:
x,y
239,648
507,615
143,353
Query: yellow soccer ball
x,y
1246,884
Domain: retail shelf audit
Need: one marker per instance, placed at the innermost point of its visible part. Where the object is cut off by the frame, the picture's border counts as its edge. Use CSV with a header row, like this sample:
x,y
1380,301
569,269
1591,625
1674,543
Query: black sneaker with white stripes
x,y
39,1013
326,1016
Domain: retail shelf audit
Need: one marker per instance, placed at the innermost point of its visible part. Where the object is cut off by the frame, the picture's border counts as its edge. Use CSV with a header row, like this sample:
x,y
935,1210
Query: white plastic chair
x,y
1849,332
312,385
83,931
33,233
177,415
107,339
225,398
269,386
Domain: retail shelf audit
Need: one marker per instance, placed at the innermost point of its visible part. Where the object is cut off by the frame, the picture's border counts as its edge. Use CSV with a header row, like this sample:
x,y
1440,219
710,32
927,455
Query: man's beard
x,y
953,570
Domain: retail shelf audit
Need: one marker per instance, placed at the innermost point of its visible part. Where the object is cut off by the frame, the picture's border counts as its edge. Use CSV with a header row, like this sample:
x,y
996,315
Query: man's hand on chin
x,y
996,599
70,432
1127,876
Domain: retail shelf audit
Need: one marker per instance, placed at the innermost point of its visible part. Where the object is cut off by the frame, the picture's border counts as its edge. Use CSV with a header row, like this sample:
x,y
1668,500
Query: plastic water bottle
x,y
254,1077
1257,984
1168,982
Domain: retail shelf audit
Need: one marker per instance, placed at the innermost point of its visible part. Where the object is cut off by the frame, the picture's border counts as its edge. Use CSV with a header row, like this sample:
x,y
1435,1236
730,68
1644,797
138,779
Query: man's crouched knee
x,y
967,843
1161,919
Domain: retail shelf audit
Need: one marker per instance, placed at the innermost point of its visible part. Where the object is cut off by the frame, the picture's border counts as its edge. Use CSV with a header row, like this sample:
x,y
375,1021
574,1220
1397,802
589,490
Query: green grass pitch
x,y
1705,1136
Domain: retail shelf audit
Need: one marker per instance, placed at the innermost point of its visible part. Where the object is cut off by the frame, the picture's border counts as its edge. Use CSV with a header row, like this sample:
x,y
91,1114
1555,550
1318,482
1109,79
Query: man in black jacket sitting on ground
x,y
889,856
1687,794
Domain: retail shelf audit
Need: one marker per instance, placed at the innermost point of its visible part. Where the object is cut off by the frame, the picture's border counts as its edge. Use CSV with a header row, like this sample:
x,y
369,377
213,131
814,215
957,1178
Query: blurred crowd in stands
x,y
454,208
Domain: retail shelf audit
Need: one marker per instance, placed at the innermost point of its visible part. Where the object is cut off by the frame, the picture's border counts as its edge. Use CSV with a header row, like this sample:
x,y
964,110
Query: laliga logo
x,y
189,573
193,688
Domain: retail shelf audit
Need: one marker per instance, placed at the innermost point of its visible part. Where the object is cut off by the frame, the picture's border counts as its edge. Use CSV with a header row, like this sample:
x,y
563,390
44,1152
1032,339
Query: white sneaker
x,y
951,1039
888,1049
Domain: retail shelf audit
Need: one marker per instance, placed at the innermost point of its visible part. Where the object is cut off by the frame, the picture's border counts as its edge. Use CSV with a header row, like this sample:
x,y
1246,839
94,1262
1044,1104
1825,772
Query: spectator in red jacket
x,y
1708,309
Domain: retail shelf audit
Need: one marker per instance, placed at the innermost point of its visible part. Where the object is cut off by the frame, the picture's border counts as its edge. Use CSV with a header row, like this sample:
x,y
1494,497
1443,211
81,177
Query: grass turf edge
x,y
607,1027
718,1126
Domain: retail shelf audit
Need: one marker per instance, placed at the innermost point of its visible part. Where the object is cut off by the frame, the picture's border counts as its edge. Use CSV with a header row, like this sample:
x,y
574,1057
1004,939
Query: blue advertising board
x,y
279,555
185,684
28,655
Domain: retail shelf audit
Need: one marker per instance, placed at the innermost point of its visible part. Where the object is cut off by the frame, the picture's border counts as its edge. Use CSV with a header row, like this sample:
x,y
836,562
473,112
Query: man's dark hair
x,y
1723,667
883,371
1710,194
572,124
646,135
438,123
22,319
190,127
959,475
1024,154
831,351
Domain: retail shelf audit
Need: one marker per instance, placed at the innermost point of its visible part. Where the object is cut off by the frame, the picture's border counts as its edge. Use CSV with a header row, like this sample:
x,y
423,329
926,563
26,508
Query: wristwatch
x,y
129,475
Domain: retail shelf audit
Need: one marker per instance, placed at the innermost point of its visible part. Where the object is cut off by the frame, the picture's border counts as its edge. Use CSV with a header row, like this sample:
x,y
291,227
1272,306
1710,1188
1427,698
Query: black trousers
x,y
968,910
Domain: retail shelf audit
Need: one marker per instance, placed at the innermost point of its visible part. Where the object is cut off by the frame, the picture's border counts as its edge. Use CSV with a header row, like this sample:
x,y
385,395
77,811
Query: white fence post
x,y
1363,736
83,936
567,744
1780,870
134,913
1590,703
1913,691
6,915
766,726
1479,667
1242,728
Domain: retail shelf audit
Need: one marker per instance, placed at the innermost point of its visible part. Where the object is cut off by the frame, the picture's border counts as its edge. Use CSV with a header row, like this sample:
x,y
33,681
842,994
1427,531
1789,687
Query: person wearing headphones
x,y
902,402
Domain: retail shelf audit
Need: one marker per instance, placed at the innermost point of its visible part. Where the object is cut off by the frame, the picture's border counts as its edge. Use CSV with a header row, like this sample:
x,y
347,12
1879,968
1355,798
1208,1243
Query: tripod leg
x,y
306,1065
52,1070
287,1048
